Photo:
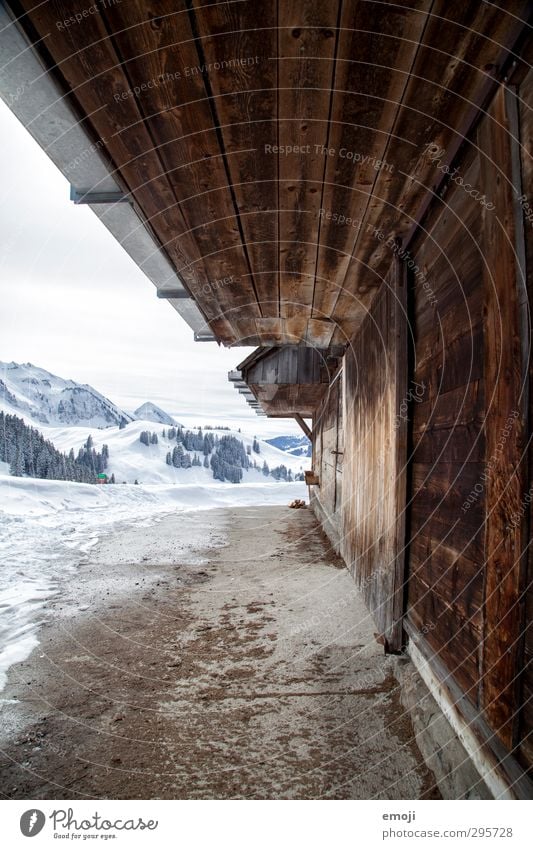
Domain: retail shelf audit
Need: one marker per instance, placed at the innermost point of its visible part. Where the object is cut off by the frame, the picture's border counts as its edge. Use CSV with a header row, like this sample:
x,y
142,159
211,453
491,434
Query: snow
x,y
47,526
129,459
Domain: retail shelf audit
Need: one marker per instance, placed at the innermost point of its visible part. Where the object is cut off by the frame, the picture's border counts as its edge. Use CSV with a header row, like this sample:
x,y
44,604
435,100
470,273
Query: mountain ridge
x,y
47,399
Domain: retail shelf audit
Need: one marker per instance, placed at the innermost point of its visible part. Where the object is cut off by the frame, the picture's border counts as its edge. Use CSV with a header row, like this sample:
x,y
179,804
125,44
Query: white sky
x,y
74,303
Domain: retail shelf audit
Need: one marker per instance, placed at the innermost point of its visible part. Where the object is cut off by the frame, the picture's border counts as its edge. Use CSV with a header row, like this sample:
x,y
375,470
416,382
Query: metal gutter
x,y
40,105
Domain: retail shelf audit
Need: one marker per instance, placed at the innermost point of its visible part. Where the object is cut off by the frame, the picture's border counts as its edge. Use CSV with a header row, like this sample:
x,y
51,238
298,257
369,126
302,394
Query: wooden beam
x,y
244,102
307,40
306,429
394,640
504,425
366,99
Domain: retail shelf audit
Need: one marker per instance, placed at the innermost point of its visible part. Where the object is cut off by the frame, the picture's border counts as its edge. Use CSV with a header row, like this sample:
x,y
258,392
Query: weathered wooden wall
x,y
446,490
465,575
327,463
525,738
289,379
467,492
372,507
364,501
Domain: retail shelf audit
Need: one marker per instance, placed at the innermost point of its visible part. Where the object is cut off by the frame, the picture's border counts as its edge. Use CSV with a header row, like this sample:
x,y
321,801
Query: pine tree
x,y
177,456
16,466
279,472
28,453
153,439
169,458
265,469
256,447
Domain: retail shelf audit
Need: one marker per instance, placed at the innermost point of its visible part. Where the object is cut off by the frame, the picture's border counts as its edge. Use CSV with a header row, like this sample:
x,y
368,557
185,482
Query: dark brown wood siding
x,y
447,493
467,480
525,738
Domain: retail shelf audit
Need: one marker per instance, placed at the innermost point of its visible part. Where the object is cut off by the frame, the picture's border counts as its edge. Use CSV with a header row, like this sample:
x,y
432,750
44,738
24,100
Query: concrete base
x,y
443,752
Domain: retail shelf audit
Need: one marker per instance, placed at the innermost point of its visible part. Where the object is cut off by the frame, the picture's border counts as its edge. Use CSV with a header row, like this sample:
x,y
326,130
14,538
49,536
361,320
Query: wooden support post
x,y
306,429
504,423
394,641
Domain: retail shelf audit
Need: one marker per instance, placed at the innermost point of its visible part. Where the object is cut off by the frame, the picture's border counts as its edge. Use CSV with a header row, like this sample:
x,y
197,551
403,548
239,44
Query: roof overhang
x,y
266,158
286,381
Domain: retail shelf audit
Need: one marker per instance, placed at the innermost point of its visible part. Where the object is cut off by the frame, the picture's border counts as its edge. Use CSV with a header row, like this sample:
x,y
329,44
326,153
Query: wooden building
x,y
349,188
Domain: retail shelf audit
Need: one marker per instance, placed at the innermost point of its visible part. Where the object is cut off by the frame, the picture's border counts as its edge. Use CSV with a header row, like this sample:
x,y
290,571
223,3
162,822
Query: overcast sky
x,y
73,302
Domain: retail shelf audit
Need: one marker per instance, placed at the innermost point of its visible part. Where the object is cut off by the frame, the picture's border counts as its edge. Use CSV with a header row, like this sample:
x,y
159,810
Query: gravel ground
x,y
246,668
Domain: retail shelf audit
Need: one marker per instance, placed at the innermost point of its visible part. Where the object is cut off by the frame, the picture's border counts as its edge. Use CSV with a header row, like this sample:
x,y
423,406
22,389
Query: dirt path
x,y
249,670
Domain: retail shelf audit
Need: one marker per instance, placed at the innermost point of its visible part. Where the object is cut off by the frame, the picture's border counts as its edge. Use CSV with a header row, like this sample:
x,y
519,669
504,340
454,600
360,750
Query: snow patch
x,y
46,527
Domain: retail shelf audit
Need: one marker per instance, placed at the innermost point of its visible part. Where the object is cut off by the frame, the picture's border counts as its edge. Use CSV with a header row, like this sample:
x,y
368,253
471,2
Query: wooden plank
x,y
319,332
454,577
505,472
461,407
179,117
459,534
271,331
447,411
465,444
306,49
395,638
453,640
455,365
366,99
304,426
367,493
245,103
438,103
295,329
525,752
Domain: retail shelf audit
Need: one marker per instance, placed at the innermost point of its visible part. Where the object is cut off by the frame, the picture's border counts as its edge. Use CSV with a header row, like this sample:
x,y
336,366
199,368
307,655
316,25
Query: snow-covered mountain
x,y
32,392
298,446
131,460
152,413
67,413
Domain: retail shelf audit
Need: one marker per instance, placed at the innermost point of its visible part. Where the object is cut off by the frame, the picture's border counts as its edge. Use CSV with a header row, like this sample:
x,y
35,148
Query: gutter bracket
x,y
88,196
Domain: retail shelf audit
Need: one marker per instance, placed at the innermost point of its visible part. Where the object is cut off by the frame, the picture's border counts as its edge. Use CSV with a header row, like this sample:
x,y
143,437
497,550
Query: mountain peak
x,y
150,412
41,396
